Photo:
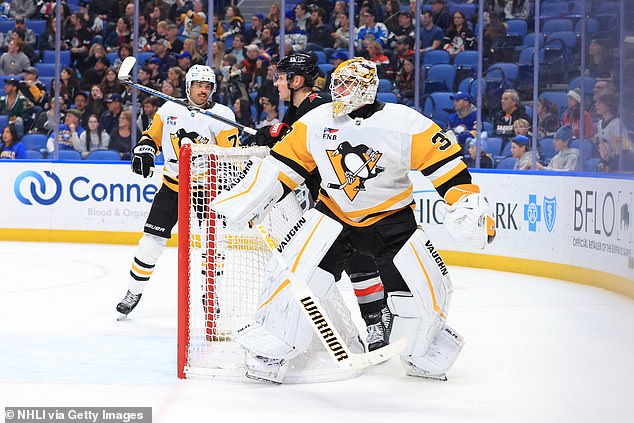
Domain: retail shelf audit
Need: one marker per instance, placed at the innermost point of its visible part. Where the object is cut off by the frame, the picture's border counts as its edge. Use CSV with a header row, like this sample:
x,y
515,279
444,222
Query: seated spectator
x,y
176,77
405,83
294,37
93,138
242,110
69,86
11,147
95,100
431,36
14,61
440,14
252,34
573,116
176,45
23,9
194,19
184,61
168,89
77,39
318,33
274,15
150,106
14,105
267,89
302,16
494,37
218,29
153,65
267,42
511,111
236,22
96,74
109,119
96,52
463,122
486,161
522,127
121,136
341,36
520,150
370,31
238,48
47,38
165,59
517,9
33,89
110,83
404,28
202,45
600,63
269,107
547,120
402,51
79,103
45,121
375,54
459,36
566,157
190,46
612,139
338,57
125,50
121,34
392,17
69,129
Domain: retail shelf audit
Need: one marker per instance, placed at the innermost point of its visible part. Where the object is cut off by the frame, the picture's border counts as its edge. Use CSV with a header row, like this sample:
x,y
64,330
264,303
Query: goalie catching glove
x,y
268,135
469,218
143,159
253,197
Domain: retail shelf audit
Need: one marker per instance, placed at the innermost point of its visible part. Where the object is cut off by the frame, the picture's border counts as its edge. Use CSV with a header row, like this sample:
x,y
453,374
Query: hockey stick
x,y
342,186
124,76
321,323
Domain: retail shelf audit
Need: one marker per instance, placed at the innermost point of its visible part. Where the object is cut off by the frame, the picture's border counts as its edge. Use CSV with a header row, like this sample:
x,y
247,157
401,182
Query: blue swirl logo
x,y
35,181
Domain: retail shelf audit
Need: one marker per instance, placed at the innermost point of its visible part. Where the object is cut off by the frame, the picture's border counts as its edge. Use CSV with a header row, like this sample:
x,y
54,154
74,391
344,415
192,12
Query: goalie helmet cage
x,y
221,270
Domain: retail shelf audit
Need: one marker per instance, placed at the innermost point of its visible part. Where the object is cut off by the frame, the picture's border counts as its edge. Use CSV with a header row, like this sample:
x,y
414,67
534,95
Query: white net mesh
x,y
226,269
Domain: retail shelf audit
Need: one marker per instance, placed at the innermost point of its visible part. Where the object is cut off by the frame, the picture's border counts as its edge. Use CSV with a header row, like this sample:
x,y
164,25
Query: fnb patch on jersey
x,y
171,120
330,133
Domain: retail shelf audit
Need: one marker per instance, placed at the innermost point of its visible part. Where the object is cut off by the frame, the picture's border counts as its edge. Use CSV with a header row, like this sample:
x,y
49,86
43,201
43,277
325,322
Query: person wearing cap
x,y
109,119
26,34
486,161
566,157
371,30
69,130
463,122
269,107
184,60
257,25
294,37
405,27
520,150
572,116
165,59
402,50
338,57
13,104
33,89
14,61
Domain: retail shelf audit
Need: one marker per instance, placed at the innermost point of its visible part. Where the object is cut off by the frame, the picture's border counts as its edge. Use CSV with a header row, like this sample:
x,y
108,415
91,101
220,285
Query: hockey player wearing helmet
x,y
364,151
172,125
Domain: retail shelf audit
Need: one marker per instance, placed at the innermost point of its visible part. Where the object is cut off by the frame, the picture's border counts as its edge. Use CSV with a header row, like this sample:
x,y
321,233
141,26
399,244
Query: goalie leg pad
x,y
253,196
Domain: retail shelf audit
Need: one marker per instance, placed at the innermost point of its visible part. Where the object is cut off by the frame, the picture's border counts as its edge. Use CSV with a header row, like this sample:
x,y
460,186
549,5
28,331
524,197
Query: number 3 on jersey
x,y
441,141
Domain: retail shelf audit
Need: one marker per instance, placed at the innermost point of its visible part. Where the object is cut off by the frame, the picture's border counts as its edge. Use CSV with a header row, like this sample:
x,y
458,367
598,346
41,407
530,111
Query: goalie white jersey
x,y
365,163
174,124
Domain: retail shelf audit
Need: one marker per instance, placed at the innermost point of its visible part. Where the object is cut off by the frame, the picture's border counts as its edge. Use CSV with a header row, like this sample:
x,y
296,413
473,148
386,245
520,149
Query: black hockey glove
x,y
268,135
143,159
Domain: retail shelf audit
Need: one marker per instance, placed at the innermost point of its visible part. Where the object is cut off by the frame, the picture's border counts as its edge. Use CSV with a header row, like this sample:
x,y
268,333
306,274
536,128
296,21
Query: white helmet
x,y
200,73
360,80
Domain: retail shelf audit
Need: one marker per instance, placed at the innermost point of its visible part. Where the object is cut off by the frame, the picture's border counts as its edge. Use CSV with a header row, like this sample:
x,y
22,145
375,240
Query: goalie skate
x,y
128,304
265,369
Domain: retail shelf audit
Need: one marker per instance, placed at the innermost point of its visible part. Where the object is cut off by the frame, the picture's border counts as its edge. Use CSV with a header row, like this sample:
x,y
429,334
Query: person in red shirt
x,y
572,116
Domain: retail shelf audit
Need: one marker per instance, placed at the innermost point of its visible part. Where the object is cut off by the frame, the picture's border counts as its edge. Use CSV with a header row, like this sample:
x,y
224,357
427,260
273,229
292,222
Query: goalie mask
x,y
200,73
354,83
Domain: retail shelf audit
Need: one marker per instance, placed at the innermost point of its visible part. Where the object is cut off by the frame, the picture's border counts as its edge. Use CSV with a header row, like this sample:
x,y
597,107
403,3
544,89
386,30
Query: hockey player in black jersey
x,y
295,79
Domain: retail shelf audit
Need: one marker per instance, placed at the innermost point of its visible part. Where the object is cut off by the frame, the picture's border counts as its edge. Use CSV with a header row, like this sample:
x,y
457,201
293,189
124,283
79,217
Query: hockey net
x,y
221,271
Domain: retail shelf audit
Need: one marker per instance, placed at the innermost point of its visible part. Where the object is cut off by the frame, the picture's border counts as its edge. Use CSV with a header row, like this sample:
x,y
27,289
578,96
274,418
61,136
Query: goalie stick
x,y
321,323
124,76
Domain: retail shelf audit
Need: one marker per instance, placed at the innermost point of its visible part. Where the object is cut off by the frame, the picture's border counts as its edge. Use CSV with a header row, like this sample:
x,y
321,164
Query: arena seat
x,y
506,163
107,155
48,56
387,97
34,155
34,141
440,77
68,155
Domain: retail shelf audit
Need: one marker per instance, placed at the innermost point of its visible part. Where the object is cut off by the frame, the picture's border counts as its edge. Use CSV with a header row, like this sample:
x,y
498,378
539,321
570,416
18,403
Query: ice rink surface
x,y
537,350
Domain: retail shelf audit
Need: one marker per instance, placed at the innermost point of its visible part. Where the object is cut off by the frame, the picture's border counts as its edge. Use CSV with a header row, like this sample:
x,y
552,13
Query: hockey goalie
x,y
364,150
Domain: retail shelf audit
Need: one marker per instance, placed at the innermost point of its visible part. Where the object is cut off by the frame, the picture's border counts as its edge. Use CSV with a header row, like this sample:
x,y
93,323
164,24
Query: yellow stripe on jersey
x,y
294,146
385,205
333,207
454,194
286,180
450,173
430,147
155,130
228,138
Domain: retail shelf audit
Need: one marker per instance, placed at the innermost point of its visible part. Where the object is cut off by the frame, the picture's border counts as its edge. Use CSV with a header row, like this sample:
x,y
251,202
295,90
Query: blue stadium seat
x,y
591,165
592,26
115,55
68,155
547,148
438,106
587,82
556,25
326,67
45,69
469,9
516,27
506,151
320,56
4,121
506,163
34,141
559,98
434,57
568,38
6,26
107,155
46,80
144,57
48,56
385,86
440,77
37,25
494,145
487,126
34,155
387,97
511,71
466,63
554,10
529,40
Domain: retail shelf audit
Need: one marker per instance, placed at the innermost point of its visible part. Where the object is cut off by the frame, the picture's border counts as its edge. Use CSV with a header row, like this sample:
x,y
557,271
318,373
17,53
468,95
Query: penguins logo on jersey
x,y
182,136
353,166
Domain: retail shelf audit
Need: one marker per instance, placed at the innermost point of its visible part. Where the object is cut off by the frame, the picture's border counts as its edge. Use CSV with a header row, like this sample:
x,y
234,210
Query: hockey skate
x,y
379,326
412,369
439,357
128,304
265,369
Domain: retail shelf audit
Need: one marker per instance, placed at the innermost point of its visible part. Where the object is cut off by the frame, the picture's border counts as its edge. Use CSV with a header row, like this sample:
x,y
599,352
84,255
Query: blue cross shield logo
x,y
532,213
550,212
